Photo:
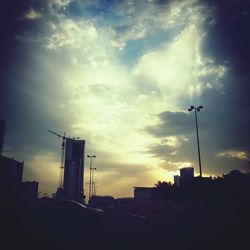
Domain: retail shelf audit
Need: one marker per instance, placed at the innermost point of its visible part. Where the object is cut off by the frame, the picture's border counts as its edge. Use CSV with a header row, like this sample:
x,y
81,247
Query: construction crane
x,y
62,153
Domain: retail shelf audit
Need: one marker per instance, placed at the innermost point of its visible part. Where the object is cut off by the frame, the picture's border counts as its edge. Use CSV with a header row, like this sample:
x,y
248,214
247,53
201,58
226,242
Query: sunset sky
x,y
121,75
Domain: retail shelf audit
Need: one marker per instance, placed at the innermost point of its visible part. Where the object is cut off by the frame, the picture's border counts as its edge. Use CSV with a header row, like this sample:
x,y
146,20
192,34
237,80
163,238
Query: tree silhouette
x,y
164,190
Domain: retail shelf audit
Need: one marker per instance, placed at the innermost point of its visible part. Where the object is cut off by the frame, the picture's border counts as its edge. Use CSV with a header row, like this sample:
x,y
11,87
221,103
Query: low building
x,y
124,203
104,202
144,202
143,193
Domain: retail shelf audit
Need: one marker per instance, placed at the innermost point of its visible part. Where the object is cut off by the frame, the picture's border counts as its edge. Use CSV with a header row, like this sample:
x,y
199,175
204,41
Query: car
x,y
70,211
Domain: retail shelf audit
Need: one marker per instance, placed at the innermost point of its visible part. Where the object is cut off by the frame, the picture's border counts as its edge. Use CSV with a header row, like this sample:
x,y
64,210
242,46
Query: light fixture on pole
x,y
197,132
90,174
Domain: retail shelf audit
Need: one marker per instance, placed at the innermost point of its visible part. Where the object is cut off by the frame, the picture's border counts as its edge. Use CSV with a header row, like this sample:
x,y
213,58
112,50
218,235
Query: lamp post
x,y
93,183
197,133
90,173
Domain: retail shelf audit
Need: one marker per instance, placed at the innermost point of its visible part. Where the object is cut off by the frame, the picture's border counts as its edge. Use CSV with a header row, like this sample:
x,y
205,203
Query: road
x,y
125,231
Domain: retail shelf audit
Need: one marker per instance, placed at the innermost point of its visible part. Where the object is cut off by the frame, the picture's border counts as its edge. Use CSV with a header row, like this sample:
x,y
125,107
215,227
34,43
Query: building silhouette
x,y
143,192
74,170
105,202
29,191
12,189
177,180
11,172
186,175
2,132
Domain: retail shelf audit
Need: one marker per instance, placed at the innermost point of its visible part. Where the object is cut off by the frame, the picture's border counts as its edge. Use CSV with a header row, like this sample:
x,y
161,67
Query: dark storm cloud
x,y
229,36
13,52
165,152
231,119
228,42
173,124
9,11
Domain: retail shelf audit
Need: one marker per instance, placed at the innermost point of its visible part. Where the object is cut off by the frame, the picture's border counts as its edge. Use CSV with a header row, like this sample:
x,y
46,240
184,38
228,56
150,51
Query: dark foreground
x,y
30,230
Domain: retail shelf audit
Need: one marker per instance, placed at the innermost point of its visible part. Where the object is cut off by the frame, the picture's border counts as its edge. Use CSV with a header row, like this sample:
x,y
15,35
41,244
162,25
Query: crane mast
x,y
60,184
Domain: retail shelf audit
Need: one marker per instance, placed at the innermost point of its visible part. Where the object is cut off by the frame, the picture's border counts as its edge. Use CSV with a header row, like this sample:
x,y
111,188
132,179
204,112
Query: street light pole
x,y
93,182
197,133
90,174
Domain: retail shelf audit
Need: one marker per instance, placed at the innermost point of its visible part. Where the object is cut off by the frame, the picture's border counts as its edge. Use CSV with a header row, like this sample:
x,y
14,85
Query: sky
x,y
121,75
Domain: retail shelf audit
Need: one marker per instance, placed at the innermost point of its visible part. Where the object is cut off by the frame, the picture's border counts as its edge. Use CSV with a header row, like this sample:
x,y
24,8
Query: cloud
x,y
174,156
72,34
179,68
228,37
172,124
91,92
234,154
126,33
32,14
61,3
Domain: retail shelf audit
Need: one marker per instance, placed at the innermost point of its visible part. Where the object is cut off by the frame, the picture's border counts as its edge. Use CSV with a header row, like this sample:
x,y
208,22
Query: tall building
x,y
74,170
186,175
11,172
2,131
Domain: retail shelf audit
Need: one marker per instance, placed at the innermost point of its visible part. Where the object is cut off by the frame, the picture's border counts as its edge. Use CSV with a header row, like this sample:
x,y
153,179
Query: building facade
x,y
186,175
11,172
105,202
143,192
177,180
74,170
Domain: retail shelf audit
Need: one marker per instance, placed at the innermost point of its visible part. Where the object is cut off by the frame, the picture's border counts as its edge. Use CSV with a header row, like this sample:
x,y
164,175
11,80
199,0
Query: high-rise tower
x,y
74,170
